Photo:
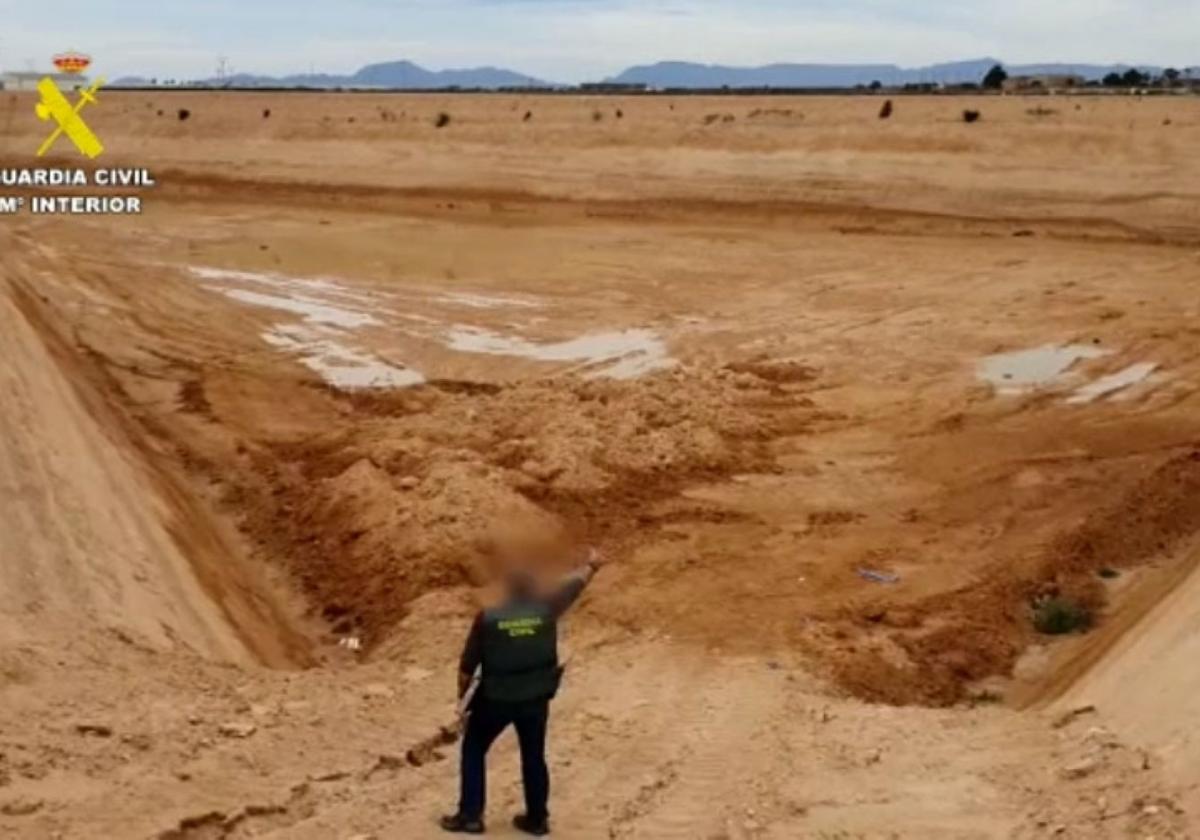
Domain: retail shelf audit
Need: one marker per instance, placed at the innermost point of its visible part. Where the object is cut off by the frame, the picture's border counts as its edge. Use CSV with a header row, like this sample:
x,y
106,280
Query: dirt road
x,y
842,396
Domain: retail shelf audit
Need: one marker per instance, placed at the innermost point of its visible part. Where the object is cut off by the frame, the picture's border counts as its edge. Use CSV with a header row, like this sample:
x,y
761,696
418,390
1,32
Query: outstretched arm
x,y
573,584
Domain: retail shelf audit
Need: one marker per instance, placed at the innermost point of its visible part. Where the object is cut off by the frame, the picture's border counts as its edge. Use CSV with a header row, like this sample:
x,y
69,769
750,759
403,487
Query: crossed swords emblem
x,y
54,106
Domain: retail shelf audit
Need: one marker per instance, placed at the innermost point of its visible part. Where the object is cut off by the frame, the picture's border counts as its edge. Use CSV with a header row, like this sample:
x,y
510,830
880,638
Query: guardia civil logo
x,y
54,106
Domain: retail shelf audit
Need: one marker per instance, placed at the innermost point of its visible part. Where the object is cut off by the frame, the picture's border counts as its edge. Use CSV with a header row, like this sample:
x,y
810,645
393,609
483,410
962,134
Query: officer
x,y
516,644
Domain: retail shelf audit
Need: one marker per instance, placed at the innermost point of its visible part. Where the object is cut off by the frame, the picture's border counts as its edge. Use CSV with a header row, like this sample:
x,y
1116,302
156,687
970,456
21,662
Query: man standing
x,y
517,646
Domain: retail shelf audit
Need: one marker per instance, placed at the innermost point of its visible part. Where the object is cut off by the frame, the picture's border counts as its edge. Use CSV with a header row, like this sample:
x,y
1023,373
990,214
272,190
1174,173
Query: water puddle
x,y
341,366
626,354
329,313
312,311
1025,370
310,285
1107,385
319,340
477,301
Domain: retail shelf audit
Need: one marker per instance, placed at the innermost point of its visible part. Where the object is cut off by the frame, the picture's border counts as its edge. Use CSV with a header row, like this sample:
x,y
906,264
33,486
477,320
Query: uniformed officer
x,y
516,644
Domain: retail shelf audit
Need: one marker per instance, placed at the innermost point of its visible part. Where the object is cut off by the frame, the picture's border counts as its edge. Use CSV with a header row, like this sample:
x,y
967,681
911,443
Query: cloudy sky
x,y
575,40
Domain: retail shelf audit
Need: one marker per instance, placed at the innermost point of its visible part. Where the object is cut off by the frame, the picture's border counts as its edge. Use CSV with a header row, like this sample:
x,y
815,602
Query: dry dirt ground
x,y
738,343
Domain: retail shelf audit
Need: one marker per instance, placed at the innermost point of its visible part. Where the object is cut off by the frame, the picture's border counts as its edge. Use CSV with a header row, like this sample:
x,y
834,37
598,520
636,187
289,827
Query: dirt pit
x,y
271,420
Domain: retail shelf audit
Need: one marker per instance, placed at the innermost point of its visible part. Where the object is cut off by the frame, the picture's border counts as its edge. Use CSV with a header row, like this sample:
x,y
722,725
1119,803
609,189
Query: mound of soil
x,y
402,503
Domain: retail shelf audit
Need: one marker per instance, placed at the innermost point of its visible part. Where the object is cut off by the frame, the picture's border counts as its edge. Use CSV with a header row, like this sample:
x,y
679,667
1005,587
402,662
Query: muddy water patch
x,y
473,300
340,365
1108,385
310,285
1040,367
329,315
624,354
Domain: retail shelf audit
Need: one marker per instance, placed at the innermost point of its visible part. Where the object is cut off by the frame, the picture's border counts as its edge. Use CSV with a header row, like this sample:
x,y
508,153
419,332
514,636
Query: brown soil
x,y
828,533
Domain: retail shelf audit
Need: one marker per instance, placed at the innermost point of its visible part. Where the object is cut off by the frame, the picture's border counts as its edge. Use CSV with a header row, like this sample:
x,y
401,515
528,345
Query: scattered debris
x,y
237,730
1070,716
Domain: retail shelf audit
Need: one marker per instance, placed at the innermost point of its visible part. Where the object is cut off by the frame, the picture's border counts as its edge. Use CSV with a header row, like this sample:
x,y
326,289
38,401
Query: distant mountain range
x,y
392,74
666,74
678,74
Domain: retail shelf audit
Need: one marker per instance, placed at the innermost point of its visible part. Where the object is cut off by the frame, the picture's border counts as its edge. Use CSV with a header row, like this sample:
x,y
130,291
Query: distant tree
x,y
876,85
1134,78
995,78
1172,76
1113,80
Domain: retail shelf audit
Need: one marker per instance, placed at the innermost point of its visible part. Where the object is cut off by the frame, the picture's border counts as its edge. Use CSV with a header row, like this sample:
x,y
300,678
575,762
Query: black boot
x,y
538,828
458,824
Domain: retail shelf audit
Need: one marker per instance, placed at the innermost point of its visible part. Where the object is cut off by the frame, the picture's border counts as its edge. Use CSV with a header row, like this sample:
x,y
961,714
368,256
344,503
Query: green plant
x,y
1058,616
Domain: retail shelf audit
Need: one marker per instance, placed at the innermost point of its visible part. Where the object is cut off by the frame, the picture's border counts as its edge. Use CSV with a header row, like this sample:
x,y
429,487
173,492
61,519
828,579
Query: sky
x,y
581,40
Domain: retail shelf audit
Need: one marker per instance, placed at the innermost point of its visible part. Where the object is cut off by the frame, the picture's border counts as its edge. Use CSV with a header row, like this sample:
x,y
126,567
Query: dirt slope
x,y
91,544
1147,681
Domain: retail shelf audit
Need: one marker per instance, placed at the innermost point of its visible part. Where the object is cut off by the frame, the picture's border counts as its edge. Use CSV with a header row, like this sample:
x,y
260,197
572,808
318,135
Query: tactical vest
x,y
520,653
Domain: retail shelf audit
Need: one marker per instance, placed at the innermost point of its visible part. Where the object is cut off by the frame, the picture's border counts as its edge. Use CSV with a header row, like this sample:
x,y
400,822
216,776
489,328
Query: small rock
x,y
377,691
410,482
96,729
237,730
1081,769
21,807
1151,810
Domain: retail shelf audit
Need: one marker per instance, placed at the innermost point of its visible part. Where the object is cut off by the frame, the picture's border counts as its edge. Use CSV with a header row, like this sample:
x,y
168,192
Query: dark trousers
x,y
484,724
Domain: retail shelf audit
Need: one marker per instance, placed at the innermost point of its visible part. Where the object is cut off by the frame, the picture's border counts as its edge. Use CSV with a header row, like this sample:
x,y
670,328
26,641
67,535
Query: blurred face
x,y
523,556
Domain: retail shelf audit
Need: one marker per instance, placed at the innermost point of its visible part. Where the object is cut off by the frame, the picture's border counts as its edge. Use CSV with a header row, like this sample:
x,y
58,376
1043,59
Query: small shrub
x,y
1040,111
443,120
266,113
597,116
528,116
970,116
1058,616
886,110
184,114
620,114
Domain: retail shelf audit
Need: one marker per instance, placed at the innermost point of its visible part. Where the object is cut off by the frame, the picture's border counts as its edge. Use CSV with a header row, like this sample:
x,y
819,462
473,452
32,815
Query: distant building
x,y
1046,83
29,81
